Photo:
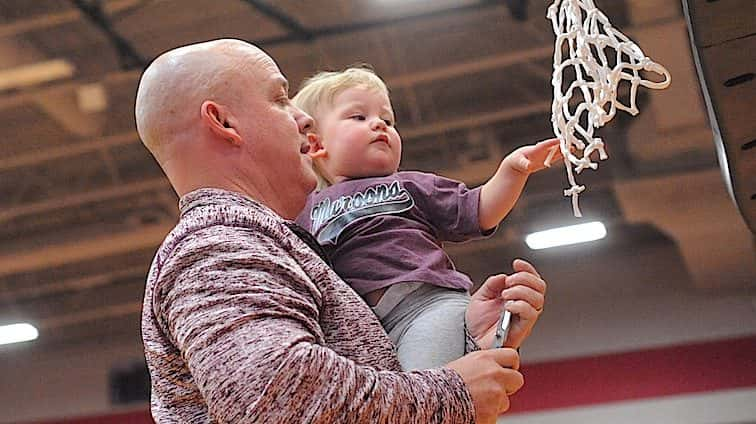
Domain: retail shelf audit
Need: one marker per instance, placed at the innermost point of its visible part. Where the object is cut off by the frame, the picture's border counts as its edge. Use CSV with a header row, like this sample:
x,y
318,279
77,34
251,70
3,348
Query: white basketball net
x,y
587,35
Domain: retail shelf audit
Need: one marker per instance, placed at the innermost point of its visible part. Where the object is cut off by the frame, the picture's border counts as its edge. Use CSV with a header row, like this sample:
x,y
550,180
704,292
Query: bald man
x,y
243,321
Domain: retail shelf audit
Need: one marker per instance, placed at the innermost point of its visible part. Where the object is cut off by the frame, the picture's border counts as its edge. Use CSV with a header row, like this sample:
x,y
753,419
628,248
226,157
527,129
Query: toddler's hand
x,y
530,159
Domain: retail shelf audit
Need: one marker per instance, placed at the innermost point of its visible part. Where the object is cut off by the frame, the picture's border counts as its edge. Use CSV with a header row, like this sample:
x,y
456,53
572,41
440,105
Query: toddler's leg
x,y
428,327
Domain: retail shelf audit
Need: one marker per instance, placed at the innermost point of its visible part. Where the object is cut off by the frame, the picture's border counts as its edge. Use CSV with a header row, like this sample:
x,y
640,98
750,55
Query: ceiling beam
x,y
292,25
63,107
475,66
49,20
71,285
98,314
15,99
69,150
77,200
93,10
149,236
368,25
518,9
477,120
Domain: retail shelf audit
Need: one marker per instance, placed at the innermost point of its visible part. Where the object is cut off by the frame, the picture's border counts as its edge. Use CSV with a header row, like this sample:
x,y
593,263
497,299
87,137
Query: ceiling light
x,y
562,236
92,97
16,333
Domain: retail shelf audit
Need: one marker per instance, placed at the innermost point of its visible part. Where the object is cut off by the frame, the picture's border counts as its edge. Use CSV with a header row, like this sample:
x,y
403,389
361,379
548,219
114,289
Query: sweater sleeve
x,y
244,316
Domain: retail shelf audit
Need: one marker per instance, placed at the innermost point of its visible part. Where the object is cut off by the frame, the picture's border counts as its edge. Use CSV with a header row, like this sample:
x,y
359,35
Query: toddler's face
x,y
358,135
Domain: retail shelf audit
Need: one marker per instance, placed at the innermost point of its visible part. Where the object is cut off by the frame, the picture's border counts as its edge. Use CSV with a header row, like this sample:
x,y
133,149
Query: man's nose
x,y
304,120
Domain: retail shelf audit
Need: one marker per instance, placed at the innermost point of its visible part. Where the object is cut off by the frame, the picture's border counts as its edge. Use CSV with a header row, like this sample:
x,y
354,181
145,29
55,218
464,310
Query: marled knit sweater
x,y
244,323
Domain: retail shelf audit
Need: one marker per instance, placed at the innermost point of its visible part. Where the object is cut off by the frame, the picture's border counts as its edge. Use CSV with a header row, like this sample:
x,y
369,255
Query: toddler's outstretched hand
x,y
530,159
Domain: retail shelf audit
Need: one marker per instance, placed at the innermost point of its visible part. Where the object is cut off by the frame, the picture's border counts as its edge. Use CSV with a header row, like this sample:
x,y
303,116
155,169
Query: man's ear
x,y
219,120
317,150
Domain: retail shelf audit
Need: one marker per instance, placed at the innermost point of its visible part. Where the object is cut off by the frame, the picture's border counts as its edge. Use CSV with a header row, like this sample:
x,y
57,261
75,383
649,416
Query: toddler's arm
x,y
500,193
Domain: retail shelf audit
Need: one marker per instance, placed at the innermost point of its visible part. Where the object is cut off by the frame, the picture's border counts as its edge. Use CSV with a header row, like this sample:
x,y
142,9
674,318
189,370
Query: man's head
x,y
217,114
355,134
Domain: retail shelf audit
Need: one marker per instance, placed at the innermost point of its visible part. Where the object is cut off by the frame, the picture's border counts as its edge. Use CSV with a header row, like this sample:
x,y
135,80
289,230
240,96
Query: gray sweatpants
x,y
425,322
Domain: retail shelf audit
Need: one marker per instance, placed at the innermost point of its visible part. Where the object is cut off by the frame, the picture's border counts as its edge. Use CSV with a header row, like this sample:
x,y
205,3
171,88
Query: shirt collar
x,y
220,197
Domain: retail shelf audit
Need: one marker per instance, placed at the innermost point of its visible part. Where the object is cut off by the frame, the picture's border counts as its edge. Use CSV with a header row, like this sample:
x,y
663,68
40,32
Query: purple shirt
x,y
386,230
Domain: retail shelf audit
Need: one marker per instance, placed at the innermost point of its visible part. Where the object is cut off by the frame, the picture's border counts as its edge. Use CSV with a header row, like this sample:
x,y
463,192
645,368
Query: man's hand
x,y
522,293
490,376
530,159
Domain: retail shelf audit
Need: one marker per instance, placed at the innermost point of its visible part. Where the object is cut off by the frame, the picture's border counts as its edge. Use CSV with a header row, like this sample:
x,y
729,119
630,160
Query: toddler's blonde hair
x,y
320,89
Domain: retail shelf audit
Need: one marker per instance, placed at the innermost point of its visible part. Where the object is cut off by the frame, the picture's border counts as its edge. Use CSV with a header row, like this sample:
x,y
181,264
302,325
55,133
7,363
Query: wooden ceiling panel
x,y
160,26
477,93
26,130
13,10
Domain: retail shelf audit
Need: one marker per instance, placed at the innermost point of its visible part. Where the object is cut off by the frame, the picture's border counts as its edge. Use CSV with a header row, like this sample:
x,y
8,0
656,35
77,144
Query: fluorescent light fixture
x,y
36,73
15,333
562,236
92,97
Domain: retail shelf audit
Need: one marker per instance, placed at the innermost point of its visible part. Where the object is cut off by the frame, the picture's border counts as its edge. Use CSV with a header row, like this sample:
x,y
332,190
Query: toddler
x,y
383,229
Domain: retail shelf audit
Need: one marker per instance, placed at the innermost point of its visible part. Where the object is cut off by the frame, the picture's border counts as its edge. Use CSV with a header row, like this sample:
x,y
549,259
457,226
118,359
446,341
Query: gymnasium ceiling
x,y
83,206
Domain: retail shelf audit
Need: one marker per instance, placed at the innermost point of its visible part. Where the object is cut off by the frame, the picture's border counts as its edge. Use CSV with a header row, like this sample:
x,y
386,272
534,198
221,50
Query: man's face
x,y
275,130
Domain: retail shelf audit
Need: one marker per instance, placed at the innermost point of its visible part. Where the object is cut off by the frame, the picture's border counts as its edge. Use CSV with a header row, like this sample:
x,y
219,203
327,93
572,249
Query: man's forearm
x,y
326,388
266,381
